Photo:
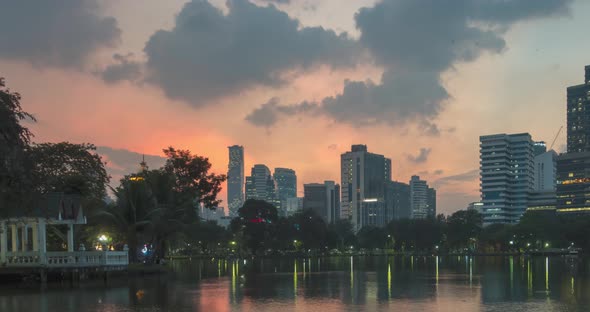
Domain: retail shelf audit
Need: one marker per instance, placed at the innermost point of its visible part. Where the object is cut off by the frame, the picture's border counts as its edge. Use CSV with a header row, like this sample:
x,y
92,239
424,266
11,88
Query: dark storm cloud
x,y
124,69
422,156
277,1
415,41
54,33
209,54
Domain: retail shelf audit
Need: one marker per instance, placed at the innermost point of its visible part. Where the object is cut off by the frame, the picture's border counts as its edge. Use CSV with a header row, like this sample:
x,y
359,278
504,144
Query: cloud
x,y
209,54
422,156
124,69
468,176
61,33
415,42
121,162
268,113
277,1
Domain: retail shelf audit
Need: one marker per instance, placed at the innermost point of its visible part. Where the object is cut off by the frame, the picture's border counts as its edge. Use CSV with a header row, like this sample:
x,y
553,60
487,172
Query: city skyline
x,y
523,73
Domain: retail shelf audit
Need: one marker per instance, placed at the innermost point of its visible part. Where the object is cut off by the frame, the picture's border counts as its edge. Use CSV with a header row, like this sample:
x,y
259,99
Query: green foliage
x,y
256,224
15,183
69,168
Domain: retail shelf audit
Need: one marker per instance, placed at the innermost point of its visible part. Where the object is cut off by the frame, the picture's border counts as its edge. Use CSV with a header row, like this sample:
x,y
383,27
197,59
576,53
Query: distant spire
x,y
143,165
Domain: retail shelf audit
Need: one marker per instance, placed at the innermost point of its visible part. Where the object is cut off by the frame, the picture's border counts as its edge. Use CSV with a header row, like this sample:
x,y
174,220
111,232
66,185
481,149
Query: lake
x,y
394,283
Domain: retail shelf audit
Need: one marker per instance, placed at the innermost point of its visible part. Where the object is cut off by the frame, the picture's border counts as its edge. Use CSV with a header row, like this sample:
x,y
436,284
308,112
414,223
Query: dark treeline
x,y
258,230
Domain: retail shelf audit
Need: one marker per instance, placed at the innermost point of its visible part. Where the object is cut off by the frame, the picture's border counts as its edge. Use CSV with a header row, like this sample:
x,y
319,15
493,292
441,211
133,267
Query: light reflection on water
x,y
329,284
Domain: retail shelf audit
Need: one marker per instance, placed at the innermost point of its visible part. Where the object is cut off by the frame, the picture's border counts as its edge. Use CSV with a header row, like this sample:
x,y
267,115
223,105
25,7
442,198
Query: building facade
x,y
418,198
286,186
506,176
573,183
397,199
293,206
260,185
324,199
363,177
235,179
431,203
578,116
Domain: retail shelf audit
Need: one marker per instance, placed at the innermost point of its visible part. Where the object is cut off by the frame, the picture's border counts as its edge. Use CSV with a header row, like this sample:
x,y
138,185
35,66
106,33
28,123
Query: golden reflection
x,y
295,279
511,273
389,281
351,273
572,286
412,263
234,276
304,269
436,271
546,273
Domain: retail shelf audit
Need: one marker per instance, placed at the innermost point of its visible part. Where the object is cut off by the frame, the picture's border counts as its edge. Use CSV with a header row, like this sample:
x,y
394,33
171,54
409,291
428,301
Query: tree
x,y
14,138
69,168
462,227
256,224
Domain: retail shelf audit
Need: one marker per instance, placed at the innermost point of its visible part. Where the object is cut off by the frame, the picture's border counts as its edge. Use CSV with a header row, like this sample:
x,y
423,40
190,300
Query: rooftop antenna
x,y
555,139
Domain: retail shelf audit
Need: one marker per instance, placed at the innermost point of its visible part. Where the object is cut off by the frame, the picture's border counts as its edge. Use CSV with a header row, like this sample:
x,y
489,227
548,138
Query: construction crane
x,y
555,139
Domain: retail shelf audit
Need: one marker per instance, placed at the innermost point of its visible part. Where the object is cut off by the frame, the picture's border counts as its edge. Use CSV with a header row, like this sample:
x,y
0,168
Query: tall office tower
x,y
363,177
324,199
286,182
431,203
418,198
235,179
507,170
260,185
578,118
397,199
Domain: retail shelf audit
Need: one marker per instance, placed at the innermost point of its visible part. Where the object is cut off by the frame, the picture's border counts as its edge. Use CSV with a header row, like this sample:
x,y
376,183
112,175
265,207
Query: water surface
x,y
328,284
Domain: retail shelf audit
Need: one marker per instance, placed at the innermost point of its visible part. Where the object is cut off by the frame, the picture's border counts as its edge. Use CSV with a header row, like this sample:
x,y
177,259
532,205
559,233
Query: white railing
x,y
67,259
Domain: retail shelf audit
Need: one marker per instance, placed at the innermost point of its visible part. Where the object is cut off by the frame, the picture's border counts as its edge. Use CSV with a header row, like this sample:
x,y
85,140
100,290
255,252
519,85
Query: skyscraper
x,y
235,179
286,183
578,118
507,176
260,185
431,203
363,177
573,168
418,198
324,199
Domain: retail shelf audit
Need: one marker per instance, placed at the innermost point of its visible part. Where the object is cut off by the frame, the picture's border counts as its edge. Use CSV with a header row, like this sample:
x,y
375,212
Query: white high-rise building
x,y
418,198
507,171
545,171
363,178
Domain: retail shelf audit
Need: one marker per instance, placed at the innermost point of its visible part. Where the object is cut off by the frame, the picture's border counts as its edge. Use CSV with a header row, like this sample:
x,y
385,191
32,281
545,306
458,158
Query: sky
x,y
296,82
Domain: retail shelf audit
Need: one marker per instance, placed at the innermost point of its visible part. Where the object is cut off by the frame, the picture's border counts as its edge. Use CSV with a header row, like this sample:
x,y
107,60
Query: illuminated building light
x,y
370,200
574,209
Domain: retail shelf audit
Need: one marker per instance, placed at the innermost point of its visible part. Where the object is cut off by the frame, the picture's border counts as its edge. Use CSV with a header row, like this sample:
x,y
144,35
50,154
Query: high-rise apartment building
x,y
286,185
324,199
507,170
578,116
418,198
363,177
235,179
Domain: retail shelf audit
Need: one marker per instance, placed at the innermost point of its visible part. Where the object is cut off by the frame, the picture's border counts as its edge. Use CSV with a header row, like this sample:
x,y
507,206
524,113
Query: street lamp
x,y
511,242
